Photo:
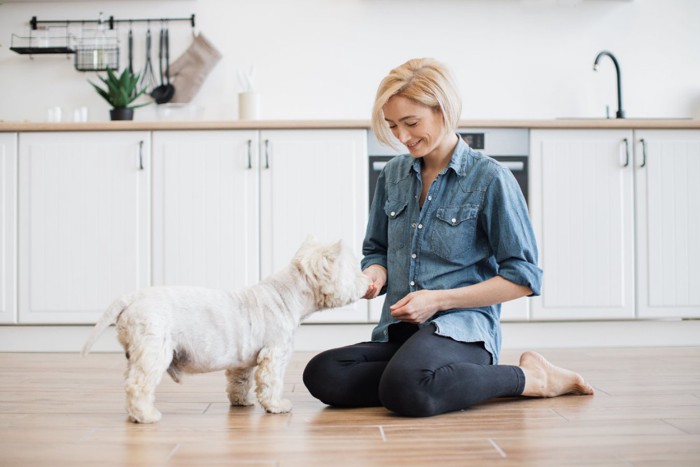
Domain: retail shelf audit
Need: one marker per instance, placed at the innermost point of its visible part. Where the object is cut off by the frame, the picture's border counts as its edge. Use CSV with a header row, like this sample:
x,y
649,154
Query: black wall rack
x,y
34,22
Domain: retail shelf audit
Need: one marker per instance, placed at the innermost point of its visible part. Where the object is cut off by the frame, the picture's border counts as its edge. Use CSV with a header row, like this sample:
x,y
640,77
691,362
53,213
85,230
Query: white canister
x,y
53,114
248,105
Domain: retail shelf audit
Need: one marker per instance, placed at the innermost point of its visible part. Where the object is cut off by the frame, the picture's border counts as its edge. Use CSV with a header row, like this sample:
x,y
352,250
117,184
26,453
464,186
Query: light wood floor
x,y
62,409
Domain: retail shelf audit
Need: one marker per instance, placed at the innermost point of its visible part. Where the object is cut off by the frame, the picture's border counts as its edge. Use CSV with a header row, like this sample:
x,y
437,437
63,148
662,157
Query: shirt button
x,y
393,213
414,256
420,226
454,221
413,226
412,283
430,198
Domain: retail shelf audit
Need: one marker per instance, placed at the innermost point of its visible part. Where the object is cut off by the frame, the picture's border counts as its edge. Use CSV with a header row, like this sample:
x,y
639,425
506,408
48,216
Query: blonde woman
x,y
448,240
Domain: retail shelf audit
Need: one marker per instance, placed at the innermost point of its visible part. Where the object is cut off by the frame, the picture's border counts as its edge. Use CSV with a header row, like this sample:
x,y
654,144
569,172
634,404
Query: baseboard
x,y
317,337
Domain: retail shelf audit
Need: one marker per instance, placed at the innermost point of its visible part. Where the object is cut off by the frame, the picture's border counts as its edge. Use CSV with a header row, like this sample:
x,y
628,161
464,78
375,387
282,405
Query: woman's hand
x,y
377,275
417,307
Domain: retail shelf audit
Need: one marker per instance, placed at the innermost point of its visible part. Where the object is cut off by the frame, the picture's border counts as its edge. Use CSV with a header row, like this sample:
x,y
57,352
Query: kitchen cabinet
x,y
84,222
667,169
582,205
206,208
8,227
618,231
231,207
313,182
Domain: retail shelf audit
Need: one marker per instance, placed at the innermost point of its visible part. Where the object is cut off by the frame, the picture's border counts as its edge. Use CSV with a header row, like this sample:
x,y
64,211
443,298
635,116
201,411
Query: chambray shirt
x,y
473,226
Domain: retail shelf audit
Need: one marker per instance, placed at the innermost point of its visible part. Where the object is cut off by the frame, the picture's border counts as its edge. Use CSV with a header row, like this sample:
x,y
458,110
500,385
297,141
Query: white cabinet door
x,y
8,227
83,222
206,210
313,182
583,206
668,223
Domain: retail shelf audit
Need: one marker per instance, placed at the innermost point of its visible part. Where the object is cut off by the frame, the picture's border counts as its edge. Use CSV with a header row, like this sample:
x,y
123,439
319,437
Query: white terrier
x,y
198,330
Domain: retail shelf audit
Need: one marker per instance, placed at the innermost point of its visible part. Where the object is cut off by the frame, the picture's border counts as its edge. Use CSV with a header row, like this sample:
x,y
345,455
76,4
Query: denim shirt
x,y
474,225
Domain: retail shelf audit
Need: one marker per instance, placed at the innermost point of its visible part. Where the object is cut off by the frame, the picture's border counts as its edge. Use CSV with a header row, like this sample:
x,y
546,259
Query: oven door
x,y
376,164
517,165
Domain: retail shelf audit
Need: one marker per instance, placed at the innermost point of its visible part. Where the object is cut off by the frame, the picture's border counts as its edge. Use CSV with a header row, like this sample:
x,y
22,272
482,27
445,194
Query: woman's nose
x,y
402,135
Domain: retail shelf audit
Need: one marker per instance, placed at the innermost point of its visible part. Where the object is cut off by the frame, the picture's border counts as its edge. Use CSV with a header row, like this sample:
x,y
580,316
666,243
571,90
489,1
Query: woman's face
x,y
416,126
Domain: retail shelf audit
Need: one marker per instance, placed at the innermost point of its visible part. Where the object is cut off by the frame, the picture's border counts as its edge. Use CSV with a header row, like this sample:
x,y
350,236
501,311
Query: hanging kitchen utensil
x,y
148,79
130,43
171,88
163,93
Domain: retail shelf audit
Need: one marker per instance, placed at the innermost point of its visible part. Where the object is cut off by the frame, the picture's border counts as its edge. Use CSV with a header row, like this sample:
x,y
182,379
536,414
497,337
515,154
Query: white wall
x,y
322,59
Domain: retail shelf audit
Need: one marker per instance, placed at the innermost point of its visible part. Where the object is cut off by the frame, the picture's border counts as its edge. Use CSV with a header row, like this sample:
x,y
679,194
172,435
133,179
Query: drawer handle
x,y
627,152
141,155
267,153
250,165
644,152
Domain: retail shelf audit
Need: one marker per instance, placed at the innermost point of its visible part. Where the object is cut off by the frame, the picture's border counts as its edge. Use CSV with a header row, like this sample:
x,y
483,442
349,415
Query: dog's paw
x,y
242,402
281,406
152,416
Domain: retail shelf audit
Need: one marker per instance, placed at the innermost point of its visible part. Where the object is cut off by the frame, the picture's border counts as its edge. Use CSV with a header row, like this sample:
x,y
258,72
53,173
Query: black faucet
x,y
620,113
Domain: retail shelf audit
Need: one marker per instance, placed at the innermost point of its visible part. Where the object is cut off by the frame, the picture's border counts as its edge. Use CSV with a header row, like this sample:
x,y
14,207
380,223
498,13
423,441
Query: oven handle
x,y
378,166
514,166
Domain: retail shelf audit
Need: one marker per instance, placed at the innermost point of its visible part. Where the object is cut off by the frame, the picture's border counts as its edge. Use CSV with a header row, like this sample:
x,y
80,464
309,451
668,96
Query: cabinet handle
x,y
627,152
644,152
267,153
250,165
141,155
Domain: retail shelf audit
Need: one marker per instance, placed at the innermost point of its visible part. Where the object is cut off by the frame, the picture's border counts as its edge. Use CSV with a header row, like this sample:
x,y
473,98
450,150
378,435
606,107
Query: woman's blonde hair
x,y
424,81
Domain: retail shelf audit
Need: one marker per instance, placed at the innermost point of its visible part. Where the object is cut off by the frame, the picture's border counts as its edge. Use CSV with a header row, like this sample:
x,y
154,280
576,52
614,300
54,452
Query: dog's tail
x,y
108,318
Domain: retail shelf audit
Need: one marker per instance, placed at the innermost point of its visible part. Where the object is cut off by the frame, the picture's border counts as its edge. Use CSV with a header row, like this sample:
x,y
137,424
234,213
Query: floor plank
x,y
62,409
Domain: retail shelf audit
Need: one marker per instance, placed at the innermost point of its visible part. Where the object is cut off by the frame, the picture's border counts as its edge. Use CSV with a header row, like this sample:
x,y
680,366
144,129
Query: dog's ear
x,y
308,242
336,248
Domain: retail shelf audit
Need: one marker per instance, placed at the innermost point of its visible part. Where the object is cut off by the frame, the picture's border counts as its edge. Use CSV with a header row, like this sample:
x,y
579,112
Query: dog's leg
x,y
239,383
269,378
146,368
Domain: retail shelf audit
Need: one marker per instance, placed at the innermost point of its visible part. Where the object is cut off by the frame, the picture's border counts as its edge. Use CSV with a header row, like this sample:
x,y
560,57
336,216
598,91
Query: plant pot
x,y
121,114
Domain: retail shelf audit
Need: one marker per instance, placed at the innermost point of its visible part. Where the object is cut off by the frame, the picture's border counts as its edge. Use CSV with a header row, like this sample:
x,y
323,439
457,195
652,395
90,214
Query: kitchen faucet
x,y
620,113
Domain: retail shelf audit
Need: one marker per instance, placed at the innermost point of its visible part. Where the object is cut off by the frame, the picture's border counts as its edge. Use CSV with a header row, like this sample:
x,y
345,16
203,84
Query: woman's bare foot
x,y
542,379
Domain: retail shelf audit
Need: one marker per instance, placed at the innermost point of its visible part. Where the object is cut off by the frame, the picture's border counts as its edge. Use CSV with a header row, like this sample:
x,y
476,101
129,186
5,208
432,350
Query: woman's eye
x,y
412,124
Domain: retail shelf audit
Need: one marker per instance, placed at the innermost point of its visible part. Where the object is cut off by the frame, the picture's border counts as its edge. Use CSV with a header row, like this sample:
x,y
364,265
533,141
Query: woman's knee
x,y
318,376
407,392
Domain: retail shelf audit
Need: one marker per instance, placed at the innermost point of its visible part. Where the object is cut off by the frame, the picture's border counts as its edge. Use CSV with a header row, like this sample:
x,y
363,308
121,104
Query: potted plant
x,y
120,92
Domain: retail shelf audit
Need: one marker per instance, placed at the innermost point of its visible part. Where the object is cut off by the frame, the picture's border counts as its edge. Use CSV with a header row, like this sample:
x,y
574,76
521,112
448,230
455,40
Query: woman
x,y
448,239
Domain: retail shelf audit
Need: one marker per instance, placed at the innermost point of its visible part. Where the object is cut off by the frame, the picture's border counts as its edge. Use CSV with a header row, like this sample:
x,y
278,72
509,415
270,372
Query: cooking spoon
x,y
165,92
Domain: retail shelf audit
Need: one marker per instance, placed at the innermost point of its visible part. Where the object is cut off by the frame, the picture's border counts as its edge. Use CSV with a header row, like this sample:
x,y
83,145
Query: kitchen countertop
x,y
590,123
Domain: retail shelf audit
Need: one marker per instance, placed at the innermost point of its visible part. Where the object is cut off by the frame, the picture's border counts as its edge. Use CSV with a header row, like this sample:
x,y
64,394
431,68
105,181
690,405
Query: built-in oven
x,y
509,146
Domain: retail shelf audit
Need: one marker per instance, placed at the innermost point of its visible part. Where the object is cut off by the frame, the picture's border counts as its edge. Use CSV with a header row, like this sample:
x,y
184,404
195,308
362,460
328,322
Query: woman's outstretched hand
x,y
377,275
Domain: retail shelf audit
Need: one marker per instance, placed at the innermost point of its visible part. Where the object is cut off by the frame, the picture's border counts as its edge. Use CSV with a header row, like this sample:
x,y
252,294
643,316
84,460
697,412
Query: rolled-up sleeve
x,y
374,247
507,224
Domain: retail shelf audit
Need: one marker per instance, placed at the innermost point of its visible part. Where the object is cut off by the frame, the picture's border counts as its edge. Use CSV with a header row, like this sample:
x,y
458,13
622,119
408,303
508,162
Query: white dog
x,y
198,330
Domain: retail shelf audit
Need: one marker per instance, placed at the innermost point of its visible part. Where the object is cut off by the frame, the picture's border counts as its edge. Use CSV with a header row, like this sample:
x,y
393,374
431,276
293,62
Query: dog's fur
x,y
245,332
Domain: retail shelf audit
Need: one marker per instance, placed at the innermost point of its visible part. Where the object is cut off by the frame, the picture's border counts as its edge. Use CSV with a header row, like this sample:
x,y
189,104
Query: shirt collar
x,y
458,162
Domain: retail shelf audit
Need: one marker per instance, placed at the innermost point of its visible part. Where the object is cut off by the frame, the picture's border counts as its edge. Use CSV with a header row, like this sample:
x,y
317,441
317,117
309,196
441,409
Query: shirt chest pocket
x,y
454,230
398,229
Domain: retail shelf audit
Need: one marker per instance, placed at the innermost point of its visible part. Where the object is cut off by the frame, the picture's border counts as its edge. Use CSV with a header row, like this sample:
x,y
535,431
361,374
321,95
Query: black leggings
x,y
417,373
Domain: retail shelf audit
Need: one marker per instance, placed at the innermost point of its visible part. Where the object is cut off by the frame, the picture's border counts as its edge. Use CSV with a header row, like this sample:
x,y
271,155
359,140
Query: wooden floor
x,y
62,409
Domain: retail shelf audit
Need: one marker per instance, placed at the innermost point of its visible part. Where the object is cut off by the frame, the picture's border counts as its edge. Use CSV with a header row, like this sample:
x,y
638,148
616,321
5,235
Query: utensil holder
x,y
248,105
97,51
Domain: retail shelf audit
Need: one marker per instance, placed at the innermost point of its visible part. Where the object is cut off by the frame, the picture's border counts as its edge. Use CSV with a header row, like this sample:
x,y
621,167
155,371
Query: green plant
x,y
121,91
